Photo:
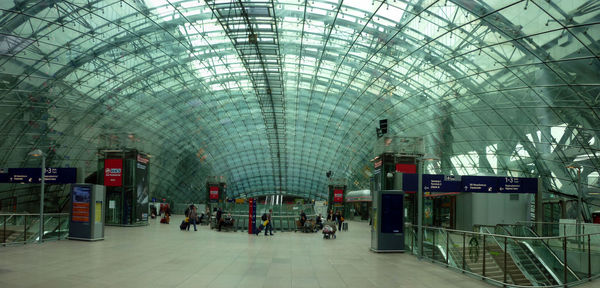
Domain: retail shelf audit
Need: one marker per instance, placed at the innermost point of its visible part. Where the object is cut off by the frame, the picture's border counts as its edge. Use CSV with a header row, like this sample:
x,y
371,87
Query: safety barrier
x,y
22,228
509,260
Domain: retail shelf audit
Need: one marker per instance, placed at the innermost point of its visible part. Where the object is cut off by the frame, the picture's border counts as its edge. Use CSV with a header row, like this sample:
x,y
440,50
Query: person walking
x,y
338,217
192,216
168,214
269,226
219,218
302,218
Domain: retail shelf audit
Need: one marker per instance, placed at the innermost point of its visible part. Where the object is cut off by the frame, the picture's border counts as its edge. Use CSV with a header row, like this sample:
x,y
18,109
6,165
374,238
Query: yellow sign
x,y
98,212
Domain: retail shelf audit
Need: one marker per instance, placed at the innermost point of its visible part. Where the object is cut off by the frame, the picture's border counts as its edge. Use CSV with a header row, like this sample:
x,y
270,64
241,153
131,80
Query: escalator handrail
x,y
7,219
519,264
441,249
451,257
445,254
554,276
527,229
512,237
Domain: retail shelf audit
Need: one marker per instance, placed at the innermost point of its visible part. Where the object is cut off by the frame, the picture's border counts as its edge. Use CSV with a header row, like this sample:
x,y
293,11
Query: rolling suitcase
x,y
184,225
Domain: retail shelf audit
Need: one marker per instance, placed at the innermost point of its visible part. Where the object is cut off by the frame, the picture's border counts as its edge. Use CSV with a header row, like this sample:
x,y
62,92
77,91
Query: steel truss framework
x,y
272,94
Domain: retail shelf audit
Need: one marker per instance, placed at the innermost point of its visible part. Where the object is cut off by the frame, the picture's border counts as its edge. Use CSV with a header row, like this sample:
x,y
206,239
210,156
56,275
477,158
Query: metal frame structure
x,y
272,94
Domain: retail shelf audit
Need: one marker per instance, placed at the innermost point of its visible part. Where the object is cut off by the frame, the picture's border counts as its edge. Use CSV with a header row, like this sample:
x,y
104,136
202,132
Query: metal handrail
x,y
23,233
32,214
531,260
511,237
483,277
551,253
556,223
550,271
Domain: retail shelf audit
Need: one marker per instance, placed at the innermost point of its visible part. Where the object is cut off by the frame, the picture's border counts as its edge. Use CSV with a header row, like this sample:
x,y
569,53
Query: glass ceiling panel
x,y
185,82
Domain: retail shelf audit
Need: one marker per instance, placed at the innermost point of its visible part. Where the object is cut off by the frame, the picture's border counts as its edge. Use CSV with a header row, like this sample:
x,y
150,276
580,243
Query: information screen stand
x,y
87,212
387,232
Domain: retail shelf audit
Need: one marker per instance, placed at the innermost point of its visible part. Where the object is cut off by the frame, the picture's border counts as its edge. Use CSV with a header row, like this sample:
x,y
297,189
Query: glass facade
x,y
273,94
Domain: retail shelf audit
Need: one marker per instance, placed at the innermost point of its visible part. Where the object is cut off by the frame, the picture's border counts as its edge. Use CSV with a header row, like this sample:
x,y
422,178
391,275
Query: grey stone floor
x,y
160,255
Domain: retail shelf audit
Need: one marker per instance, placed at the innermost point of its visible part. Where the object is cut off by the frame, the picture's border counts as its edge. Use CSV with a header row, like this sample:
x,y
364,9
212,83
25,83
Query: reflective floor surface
x,y
160,255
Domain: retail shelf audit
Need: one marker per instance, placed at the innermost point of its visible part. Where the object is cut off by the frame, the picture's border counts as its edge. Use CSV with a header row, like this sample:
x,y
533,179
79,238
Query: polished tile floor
x,y
160,255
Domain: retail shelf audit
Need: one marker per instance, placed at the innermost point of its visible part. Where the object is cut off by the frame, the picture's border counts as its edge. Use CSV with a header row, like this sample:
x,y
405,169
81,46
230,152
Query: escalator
x,y
528,262
539,250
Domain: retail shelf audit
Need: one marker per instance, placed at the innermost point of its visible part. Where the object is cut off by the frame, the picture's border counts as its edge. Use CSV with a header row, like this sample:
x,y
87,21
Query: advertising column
x,y
251,216
142,186
214,193
113,172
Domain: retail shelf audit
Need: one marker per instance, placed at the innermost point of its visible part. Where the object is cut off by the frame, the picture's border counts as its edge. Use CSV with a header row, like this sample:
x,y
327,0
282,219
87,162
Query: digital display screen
x,y
392,213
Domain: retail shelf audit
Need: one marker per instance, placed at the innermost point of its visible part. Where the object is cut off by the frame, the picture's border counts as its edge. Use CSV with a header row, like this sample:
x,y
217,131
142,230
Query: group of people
x,y
192,218
331,216
336,217
227,220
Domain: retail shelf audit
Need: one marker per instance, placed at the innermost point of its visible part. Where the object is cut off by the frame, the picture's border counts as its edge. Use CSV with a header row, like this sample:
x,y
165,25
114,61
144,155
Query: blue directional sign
x,y
517,185
436,183
480,184
509,185
529,185
440,183
34,175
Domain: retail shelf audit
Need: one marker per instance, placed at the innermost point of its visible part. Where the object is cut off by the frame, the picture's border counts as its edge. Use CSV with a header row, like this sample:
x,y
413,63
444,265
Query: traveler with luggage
x,y
339,218
192,215
269,227
264,221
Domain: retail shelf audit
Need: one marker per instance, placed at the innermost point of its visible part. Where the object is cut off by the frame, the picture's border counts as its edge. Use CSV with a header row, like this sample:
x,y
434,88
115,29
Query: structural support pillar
x,y
539,208
420,208
41,237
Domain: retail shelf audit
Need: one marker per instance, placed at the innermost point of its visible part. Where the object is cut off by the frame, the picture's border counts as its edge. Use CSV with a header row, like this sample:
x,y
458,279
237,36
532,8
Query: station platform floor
x,y
160,255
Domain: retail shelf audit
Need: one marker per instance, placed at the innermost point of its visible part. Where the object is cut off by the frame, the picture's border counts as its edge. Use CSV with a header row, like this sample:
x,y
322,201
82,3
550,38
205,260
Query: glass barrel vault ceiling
x,y
272,94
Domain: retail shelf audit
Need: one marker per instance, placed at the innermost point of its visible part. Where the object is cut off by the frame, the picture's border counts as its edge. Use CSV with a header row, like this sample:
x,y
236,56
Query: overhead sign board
x,y
34,175
517,185
476,184
440,183
481,184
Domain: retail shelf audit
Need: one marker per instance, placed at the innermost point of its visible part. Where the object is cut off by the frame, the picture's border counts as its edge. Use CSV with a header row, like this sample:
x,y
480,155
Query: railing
x,y
477,254
542,250
530,263
279,222
22,228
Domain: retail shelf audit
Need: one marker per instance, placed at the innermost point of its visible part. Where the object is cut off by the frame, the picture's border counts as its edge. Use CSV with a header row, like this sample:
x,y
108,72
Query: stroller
x,y
329,230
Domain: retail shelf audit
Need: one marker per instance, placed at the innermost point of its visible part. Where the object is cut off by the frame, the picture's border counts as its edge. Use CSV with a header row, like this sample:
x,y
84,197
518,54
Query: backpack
x,y
263,217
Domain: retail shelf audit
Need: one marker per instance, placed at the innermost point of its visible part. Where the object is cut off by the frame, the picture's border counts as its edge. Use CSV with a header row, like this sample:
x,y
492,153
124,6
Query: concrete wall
x,y
490,209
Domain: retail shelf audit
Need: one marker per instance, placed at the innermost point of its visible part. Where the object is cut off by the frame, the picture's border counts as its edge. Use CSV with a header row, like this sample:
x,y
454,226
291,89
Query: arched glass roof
x,y
272,94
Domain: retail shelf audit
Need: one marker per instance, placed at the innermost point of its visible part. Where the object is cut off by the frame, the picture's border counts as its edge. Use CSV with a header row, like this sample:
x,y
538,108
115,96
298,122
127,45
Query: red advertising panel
x,y
338,195
113,172
406,168
214,192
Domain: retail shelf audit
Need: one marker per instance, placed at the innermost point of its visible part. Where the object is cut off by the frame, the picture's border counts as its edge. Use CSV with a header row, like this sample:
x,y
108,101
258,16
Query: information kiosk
x,y
87,212
387,232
